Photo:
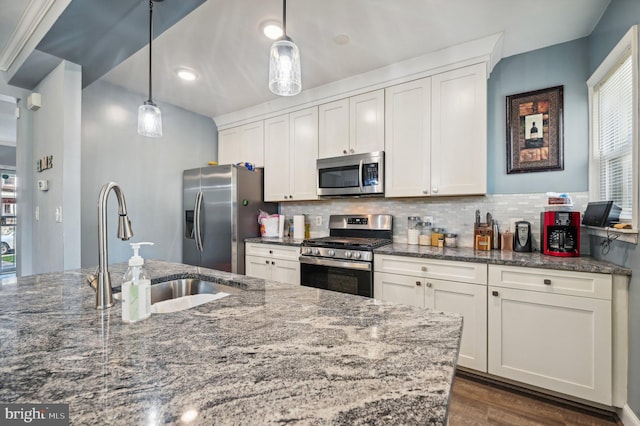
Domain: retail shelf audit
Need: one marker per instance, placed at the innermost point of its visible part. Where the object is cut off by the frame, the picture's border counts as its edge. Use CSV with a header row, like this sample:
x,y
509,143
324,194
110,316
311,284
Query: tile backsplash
x,y
455,214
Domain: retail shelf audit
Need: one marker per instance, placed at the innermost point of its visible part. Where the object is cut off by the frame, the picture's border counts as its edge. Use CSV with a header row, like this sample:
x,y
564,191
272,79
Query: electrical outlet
x,y
428,219
59,214
318,220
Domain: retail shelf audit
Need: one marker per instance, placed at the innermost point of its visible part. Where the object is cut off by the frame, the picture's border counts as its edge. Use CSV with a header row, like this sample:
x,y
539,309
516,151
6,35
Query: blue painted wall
x,y
560,65
618,18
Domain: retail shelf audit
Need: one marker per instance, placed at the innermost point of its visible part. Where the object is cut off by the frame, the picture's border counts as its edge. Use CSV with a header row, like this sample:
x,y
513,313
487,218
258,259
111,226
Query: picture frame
x,y
535,140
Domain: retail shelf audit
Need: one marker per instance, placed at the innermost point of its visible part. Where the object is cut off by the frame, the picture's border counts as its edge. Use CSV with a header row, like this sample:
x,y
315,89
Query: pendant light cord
x,y
150,44
284,17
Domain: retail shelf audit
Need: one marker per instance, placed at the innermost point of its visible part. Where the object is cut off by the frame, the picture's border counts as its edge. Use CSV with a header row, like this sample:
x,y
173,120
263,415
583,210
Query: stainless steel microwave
x,y
351,175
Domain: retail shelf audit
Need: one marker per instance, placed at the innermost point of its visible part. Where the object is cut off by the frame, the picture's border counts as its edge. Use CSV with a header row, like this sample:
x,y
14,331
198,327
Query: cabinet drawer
x,y
468,272
273,250
549,281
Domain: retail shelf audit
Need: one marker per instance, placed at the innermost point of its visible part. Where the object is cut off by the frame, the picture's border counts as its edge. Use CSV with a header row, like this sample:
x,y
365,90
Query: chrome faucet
x,y
104,292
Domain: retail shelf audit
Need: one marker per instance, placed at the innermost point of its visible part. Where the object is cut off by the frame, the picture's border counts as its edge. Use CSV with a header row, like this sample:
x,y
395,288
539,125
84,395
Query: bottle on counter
x,y
136,288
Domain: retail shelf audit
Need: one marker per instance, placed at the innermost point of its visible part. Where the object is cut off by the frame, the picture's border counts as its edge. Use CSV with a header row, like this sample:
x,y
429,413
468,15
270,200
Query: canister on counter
x,y
450,240
413,229
436,234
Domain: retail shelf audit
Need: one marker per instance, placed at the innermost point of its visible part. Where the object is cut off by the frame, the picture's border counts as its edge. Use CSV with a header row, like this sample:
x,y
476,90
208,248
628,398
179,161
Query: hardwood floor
x,y
476,402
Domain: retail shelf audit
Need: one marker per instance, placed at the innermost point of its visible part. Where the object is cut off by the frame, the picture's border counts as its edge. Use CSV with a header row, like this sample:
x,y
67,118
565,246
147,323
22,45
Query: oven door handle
x,y
363,266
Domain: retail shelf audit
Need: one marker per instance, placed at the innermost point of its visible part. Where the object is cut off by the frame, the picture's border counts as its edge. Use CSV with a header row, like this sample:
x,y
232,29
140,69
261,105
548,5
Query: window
x,y
613,156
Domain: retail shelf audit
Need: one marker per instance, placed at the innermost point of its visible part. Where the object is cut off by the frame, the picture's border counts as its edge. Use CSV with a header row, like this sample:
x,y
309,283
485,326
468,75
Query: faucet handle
x,y
92,279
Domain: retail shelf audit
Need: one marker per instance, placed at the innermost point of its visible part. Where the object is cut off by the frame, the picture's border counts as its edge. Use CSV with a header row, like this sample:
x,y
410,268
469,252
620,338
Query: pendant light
x,y
284,63
149,116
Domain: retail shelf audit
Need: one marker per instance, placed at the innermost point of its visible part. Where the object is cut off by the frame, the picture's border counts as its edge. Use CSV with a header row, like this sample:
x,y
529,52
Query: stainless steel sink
x,y
186,287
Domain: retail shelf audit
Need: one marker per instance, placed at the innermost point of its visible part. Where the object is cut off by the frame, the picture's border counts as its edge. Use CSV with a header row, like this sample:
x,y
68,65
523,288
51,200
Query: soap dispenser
x,y
136,288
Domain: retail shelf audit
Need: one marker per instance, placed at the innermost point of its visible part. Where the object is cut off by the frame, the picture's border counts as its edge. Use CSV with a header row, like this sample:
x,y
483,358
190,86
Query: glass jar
x,y
413,230
425,235
450,240
436,234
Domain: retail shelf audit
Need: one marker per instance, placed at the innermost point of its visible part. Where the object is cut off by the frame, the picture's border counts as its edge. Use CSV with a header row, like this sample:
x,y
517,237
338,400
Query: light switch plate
x,y
318,220
37,213
59,214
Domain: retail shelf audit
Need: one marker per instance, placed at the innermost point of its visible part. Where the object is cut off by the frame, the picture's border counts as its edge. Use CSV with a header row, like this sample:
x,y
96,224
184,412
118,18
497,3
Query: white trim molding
x,y
628,45
33,14
627,416
487,50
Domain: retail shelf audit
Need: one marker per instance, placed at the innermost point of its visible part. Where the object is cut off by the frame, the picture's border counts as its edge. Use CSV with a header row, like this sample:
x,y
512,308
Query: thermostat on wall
x,y
43,185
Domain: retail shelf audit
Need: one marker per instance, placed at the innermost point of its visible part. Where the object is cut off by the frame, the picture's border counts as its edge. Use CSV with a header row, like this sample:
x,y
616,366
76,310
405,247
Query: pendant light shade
x,y
149,115
149,120
285,78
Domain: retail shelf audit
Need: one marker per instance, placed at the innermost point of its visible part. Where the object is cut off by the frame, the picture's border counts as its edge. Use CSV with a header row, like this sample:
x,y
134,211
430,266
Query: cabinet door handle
x,y
344,151
547,281
266,261
273,263
495,293
351,150
418,283
429,285
424,269
425,191
270,251
291,197
285,197
435,190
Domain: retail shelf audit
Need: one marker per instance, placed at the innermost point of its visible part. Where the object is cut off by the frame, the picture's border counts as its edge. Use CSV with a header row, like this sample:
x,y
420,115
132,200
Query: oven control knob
x,y
347,254
316,251
357,255
331,253
307,250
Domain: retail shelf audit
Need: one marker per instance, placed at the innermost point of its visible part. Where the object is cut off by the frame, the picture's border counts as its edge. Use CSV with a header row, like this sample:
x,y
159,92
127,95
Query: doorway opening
x,y
8,224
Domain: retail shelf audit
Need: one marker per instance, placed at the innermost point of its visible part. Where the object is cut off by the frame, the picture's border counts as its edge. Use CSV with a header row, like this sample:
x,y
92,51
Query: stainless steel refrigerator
x,y
220,210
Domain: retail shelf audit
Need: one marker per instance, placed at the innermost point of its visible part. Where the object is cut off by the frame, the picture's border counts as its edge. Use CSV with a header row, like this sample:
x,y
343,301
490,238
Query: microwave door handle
x,y
360,180
198,233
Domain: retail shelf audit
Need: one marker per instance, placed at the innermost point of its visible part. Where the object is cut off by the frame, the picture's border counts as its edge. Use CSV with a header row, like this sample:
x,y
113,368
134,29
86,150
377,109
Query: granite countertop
x,y
273,353
284,241
497,257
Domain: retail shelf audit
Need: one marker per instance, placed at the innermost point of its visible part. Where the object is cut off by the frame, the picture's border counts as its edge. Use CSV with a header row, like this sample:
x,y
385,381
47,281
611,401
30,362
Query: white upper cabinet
x,y
408,139
243,143
459,131
352,126
436,135
333,129
291,150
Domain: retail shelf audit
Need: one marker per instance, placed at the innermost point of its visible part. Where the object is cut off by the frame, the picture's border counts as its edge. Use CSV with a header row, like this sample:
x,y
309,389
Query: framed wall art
x,y
535,131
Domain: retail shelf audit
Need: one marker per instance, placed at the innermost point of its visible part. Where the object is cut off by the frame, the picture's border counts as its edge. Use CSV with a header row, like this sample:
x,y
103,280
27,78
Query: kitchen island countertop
x,y
273,353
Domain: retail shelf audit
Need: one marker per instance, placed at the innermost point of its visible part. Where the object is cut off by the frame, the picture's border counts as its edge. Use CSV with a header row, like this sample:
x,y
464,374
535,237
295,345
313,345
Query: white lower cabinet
x,y
552,329
424,283
273,262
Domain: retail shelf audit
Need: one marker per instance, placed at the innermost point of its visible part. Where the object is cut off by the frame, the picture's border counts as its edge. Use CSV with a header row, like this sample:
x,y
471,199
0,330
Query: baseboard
x,y
628,417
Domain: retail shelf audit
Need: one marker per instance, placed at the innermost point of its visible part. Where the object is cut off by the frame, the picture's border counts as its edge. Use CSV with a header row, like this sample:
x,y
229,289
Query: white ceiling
x,y
222,41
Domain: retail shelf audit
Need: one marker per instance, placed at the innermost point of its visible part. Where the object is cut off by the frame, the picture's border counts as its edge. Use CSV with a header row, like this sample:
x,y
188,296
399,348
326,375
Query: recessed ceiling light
x,y
187,74
341,39
272,29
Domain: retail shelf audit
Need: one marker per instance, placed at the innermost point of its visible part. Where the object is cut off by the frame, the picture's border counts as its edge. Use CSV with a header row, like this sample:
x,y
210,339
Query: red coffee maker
x,y
561,233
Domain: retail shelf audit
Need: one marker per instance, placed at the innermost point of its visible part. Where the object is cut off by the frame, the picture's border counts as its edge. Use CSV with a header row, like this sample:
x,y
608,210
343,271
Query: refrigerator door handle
x,y
197,230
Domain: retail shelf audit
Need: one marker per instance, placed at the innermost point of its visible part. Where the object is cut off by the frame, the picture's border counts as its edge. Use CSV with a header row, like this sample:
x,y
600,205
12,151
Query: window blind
x,y
615,126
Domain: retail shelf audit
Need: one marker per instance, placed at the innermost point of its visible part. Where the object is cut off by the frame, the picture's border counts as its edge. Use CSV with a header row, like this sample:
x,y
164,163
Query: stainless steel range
x,y
344,260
